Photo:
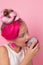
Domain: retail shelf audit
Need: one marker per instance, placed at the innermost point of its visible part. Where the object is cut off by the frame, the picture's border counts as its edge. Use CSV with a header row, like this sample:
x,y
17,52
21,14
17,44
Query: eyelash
x,y
23,35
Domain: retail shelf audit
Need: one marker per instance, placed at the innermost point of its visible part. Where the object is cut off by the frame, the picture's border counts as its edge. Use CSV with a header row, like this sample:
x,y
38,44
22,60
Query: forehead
x,y
23,28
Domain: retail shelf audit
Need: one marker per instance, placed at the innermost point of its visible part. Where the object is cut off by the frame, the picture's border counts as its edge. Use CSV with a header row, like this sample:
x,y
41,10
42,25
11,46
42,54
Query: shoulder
x,y
3,50
4,58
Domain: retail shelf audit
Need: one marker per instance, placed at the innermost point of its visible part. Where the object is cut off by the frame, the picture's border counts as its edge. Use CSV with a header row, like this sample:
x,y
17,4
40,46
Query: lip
x,y
26,42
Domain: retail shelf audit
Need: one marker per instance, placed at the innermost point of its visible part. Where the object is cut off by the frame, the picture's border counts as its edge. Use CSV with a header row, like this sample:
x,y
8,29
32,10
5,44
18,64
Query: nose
x,y
27,37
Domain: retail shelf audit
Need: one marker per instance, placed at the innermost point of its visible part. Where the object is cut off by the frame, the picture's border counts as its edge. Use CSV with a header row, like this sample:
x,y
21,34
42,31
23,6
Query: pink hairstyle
x,y
10,30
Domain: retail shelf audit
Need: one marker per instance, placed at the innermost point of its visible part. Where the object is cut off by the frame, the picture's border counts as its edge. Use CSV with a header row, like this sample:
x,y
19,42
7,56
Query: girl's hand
x,y
32,51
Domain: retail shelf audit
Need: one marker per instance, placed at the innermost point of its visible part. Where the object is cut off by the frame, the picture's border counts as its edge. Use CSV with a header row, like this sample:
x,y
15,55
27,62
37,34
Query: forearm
x,y
30,63
26,61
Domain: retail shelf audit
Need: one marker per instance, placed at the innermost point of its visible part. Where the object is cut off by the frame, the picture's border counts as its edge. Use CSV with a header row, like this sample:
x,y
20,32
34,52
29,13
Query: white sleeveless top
x,y
15,58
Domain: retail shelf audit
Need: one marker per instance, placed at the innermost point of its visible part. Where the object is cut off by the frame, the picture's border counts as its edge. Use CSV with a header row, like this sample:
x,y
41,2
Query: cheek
x,y
20,41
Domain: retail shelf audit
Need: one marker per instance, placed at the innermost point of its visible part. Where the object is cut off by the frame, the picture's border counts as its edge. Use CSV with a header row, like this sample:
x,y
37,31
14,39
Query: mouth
x,y
26,42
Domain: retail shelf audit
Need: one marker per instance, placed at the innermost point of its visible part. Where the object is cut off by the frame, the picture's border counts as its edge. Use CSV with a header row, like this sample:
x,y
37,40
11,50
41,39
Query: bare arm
x,y
30,63
4,59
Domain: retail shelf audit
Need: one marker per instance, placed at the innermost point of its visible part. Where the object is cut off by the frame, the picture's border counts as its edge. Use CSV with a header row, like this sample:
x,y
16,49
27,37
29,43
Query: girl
x,y
15,31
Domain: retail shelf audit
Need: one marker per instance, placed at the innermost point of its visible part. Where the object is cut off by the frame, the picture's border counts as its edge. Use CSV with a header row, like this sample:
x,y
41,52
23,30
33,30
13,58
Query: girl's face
x,y
23,36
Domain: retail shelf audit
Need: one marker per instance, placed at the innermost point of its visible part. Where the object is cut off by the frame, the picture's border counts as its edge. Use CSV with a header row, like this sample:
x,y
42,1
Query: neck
x,y
16,48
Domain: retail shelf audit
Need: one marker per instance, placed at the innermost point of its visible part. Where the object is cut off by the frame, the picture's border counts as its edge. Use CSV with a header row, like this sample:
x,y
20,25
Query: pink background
x,y
31,11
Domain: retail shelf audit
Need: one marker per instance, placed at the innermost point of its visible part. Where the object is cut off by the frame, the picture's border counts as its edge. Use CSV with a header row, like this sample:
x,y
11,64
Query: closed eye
x,y
22,35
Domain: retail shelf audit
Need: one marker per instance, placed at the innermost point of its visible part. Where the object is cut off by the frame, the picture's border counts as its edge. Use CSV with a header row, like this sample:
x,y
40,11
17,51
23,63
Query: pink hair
x,y
11,28
10,31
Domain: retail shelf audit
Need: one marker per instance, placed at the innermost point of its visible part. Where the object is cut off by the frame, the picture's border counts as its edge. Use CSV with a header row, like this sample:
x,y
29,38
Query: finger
x,y
36,51
32,45
36,47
